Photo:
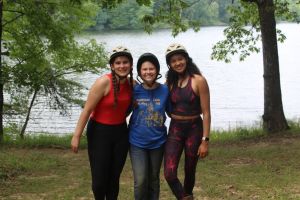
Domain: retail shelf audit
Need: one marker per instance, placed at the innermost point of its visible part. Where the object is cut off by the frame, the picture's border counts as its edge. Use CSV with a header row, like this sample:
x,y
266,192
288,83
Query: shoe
x,y
190,197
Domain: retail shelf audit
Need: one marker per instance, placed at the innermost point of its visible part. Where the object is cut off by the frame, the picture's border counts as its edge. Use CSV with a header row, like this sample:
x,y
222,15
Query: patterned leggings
x,y
182,135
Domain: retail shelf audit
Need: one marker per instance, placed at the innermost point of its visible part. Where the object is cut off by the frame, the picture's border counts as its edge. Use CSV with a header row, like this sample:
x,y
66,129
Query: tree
x,y
40,54
128,14
240,38
206,12
223,13
1,73
125,16
260,15
273,117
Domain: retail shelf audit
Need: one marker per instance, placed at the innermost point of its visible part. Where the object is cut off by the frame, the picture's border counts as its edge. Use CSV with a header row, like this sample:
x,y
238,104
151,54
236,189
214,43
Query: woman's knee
x,y
99,189
140,180
170,175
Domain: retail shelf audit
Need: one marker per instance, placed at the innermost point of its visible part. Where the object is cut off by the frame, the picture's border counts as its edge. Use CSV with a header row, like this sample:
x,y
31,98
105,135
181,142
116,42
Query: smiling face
x,y
148,72
122,66
178,63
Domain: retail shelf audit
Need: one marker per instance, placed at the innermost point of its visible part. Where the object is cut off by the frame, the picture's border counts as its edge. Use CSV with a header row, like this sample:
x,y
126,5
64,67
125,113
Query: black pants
x,y
107,149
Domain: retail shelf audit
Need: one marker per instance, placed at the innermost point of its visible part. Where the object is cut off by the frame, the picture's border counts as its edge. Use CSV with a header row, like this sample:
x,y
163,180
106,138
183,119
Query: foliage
x,y
242,35
40,54
43,55
112,3
41,140
207,12
171,13
239,38
129,17
133,14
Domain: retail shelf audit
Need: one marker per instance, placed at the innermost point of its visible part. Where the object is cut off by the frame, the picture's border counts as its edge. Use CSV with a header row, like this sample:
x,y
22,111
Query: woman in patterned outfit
x,y
188,131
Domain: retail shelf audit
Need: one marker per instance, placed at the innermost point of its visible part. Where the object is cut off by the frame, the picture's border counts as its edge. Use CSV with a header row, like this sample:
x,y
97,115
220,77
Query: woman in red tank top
x,y
188,131
107,133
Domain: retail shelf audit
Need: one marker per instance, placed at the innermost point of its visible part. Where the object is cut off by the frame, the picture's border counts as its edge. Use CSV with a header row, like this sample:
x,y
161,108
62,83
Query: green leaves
x,y
44,56
144,2
238,40
126,16
243,33
169,12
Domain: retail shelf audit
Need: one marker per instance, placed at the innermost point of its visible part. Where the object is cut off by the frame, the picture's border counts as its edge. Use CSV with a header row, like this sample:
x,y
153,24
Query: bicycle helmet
x,y
120,51
147,57
151,58
174,49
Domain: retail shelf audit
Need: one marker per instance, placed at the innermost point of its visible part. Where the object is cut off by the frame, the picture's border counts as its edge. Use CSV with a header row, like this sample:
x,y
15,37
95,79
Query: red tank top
x,y
106,113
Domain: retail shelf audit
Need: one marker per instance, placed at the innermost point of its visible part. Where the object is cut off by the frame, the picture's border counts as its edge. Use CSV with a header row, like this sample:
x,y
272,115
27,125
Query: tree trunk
x,y
28,114
273,117
1,79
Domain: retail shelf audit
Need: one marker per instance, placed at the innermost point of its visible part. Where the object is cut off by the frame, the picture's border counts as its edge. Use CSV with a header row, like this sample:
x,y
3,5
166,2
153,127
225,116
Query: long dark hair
x,y
191,69
116,84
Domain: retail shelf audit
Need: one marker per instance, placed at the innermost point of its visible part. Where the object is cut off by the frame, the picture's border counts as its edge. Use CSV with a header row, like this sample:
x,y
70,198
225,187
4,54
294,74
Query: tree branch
x,y
14,19
61,73
15,11
252,1
193,3
5,53
28,113
66,73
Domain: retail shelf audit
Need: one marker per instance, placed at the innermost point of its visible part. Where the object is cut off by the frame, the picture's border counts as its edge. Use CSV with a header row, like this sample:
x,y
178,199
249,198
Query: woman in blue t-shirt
x,y
147,131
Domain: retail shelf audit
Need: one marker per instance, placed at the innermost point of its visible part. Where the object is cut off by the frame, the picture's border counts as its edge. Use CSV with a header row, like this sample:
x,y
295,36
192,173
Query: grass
x,y
242,164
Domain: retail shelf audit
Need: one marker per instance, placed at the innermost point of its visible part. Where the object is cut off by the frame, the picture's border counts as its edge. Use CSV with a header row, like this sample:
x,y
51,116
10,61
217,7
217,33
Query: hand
x,y
75,143
203,149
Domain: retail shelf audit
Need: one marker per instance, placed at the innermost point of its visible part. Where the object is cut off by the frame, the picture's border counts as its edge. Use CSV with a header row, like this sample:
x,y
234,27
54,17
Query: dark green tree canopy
x,y
40,55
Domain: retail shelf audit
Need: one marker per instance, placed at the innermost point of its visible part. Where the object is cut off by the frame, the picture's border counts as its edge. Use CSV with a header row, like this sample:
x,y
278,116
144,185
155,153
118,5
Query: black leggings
x,y
183,135
107,149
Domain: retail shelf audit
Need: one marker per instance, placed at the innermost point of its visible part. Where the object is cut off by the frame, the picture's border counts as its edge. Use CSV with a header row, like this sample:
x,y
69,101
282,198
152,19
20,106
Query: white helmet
x,y
120,51
173,49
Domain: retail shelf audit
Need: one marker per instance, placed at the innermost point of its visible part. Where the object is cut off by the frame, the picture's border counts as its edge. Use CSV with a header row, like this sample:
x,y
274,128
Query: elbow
x,y
206,115
87,111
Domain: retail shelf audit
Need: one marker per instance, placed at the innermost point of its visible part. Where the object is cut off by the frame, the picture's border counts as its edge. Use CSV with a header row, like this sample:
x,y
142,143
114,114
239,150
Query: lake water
x,y
236,88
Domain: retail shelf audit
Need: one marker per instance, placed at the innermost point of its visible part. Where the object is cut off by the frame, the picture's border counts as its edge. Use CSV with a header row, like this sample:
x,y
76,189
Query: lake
x,y
236,88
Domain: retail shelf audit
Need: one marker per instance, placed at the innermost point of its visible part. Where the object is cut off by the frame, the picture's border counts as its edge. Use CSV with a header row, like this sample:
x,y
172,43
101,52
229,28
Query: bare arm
x,y
205,106
99,89
203,91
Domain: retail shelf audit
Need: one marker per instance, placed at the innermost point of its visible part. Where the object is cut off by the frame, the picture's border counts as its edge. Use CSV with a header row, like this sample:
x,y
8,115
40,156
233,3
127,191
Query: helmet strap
x,y
158,76
138,79
149,85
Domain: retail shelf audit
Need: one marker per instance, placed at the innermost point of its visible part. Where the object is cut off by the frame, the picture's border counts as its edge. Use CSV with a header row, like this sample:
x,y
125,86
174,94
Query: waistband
x,y
182,117
187,120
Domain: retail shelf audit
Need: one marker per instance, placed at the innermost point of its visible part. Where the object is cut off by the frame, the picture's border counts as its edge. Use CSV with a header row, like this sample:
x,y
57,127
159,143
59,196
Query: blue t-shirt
x,y
147,123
